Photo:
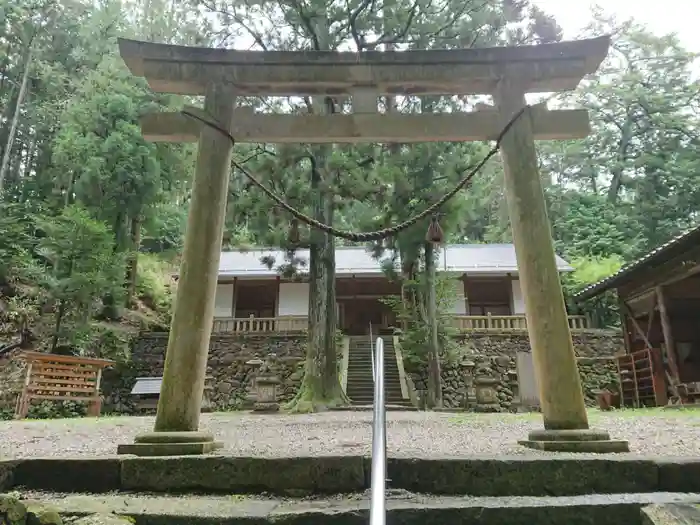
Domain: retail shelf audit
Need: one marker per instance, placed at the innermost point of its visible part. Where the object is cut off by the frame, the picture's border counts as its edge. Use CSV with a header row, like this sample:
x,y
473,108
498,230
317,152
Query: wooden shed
x,y
659,298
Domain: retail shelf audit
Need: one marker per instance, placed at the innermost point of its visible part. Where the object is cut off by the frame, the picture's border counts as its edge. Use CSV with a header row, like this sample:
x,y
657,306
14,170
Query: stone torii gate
x,y
507,74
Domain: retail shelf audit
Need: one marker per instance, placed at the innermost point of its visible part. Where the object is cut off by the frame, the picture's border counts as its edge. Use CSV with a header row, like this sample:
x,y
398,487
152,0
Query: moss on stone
x,y
12,510
39,514
7,471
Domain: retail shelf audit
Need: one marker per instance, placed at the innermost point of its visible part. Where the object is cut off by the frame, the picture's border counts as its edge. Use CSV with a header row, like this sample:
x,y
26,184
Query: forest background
x,y
92,216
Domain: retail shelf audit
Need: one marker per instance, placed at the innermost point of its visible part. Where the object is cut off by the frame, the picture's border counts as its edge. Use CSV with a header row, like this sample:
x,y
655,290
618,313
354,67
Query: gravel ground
x,y
409,434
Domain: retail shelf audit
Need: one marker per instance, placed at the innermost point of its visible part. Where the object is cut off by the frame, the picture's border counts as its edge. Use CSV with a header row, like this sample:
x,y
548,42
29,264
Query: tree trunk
x,y
617,171
60,312
15,118
132,269
320,387
111,309
434,383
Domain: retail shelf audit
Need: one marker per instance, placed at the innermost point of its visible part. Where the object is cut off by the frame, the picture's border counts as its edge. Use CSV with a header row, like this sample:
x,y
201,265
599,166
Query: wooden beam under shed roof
x,y
359,128
188,70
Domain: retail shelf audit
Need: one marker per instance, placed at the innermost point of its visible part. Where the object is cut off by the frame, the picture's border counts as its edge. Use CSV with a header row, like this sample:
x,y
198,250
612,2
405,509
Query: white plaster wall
x,y
459,304
518,300
293,299
223,305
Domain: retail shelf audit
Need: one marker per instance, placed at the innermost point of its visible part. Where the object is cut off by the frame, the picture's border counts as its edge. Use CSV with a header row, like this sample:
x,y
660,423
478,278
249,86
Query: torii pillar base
x,y
583,440
171,444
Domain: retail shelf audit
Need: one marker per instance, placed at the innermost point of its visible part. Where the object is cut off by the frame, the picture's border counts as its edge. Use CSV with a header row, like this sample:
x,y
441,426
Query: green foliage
x,y
603,310
79,252
83,191
48,410
415,338
154,282
57,410
82,268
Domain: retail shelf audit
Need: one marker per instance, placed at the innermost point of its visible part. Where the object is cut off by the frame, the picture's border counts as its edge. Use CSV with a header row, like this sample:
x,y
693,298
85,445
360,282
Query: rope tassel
x,y
293,236
435,233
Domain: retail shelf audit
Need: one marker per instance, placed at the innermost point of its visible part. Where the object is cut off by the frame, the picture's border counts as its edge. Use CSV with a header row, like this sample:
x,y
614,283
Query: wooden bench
x,y
61,378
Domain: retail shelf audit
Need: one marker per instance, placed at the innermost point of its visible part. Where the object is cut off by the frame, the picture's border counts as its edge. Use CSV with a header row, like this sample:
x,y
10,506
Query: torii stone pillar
x,y
561,396
179,406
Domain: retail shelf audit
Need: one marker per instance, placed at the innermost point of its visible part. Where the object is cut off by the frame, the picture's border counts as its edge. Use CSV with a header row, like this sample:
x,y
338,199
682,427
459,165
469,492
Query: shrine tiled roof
x,y
454,258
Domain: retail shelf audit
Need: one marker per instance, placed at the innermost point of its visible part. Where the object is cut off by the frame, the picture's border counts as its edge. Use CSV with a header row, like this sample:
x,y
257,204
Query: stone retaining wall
x,y
592,343
231,377
496,353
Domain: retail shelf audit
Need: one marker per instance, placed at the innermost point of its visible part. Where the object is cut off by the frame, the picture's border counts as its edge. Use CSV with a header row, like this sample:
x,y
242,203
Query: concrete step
x,y
402,508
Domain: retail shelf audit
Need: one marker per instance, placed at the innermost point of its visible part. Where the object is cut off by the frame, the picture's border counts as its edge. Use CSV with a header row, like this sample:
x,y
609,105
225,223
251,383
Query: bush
x,y
154,281
603,309
57,410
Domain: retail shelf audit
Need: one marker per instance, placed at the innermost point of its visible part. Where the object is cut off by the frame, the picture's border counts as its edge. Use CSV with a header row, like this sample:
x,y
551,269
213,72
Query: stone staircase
x,y
360,386
333,490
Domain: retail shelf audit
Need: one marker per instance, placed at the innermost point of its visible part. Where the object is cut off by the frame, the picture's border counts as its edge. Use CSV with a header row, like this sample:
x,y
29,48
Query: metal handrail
x,y
377,509
371,351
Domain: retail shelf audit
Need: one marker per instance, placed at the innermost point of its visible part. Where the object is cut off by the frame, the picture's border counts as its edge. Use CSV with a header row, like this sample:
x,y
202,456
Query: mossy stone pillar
x,y
179,405
556,371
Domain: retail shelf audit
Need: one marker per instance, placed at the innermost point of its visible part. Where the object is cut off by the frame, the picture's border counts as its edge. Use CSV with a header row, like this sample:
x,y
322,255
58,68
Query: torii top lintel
x,y
188,70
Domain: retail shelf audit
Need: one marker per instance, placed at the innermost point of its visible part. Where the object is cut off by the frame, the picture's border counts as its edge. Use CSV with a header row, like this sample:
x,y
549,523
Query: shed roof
x,y
147,386
456,258
675,247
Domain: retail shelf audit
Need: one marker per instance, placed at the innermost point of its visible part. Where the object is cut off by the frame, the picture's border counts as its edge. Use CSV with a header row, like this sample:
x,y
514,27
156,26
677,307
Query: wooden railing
x,y
299,323
506,323
261,325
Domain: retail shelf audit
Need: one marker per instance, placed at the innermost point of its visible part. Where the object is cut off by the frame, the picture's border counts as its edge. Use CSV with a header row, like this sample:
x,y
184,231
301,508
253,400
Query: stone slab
x,y
682,474
70,475
522,476
586,434
248,475
485,476
610,446
168,449
402,509
527,382
174,437
671,514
